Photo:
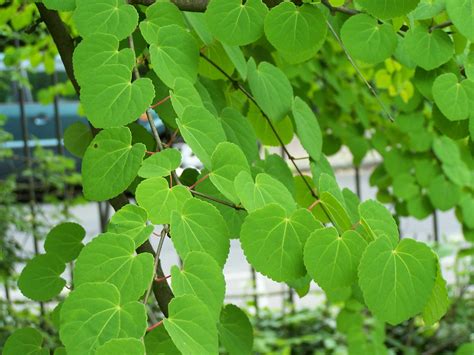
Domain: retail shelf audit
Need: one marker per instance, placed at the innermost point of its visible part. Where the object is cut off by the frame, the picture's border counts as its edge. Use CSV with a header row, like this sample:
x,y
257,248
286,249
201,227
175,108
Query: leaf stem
x,y
163,234
160,279
218,200
156,325
162,101
198,182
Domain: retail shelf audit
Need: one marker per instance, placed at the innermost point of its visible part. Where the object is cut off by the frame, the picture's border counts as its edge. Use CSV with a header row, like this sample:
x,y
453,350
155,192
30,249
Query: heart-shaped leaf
x,y
110,164
455,100
387,9
235,330
160,164
25,341
460,12
129,346
64,241
131,220
158,15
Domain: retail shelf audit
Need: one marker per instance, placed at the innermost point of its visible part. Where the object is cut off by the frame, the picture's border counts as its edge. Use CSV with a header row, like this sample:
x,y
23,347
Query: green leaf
x,y
443,194
453,98
264,190
428,50
460,12
307,128
129,346
387,9
332,260
184,94
272,240
27,341
95,313
40,279
336,211
199,226
160,164
405,187
465,349
202,277
131,220
238,59
158,342
446,150
111,258
77,138
105,16
60,5
378,221
467,209
174,54
158,15
235,331
239,131
427,9
64,241
191,326
95,52
233,218
276,166
296,31
368,41
159,200
227,162
234,23
202,131
110,100
271,89
110,164
264,131
438,303
397,281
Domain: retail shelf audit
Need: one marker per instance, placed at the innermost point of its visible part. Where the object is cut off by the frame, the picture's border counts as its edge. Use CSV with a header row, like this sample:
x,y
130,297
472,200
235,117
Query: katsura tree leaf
x,y
110,164
264,131
201,131
239,131
467,209
174,53
159,200
41,280
113,17
158,342
184,94
298,32
27,341
460,12
427,9
227,162
65,241
387,9
111,258
199,226
438,303
428,50
443,194
307,128
191,327
332,260
378,221
368,41
111,100
264,190
233,217
160,164
446,150
397,281
202,277
237,58
94,52
131,220
271,89
158,15
95,313
465,349
276,166
272,240
129,346
235,23
235,331
60,5
77,137
335,211
453,98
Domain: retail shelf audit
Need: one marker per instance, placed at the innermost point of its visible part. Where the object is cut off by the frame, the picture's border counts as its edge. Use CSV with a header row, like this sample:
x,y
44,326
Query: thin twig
x,y
359,73
156,325
218,200
162,101
441,25
163,234
198,182
343,10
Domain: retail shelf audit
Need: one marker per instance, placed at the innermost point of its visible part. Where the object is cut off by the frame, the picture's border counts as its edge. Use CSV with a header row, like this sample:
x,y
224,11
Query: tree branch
x,y
343,10
201,5
65,45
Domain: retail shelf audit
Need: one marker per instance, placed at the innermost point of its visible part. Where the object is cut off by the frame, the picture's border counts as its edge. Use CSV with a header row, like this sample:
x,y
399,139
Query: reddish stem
x,y
151,153
160,279
156,325
172,138
161,101
313,205
198,182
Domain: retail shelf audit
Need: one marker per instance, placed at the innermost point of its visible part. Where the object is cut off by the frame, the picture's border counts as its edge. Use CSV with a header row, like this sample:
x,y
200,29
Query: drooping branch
x,y
65,45
201,5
